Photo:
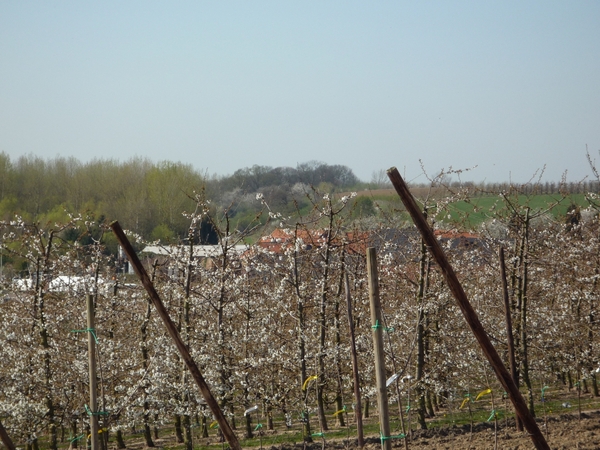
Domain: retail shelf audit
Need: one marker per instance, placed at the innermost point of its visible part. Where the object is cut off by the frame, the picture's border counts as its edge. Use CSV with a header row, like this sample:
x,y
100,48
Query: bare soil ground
x,y
563,432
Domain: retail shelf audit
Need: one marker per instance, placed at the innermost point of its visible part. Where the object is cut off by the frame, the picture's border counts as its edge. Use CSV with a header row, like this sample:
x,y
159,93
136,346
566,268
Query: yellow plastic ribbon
x,y
213,424
464,402
99,431
482,393
341,411
308,380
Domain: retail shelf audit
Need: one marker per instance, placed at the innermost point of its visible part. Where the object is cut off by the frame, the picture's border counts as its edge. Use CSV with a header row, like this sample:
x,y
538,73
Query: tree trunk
x,y
186,420
75,443
145,358
248,426
248,417
120,442
269,418
204,427
339,398
419,389
323,328
355,373
224,373
306,432
42,281
187,431
509,330
178,430
147,429
429,404
524,305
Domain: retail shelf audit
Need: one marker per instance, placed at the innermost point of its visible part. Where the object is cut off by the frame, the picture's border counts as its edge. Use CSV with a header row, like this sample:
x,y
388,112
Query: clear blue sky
x,y
509,86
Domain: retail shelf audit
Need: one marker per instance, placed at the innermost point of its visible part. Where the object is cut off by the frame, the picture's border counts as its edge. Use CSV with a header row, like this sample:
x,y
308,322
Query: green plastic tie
x,y
543,393
87,330
92,413
408,408
76,438
492,415
397,436
258,427
377,326
318,435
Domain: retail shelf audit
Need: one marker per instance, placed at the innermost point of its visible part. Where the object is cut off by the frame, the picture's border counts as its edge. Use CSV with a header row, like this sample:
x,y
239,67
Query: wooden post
x,y
172,329
509,330
6,440
358,408
469,313
380,376
92,373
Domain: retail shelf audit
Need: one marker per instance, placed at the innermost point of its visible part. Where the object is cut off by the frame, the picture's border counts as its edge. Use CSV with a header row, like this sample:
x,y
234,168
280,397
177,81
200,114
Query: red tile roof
x,y
279,240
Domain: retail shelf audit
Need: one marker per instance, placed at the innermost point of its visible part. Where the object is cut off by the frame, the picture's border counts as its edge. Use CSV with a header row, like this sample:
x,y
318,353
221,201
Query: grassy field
x,y
471,213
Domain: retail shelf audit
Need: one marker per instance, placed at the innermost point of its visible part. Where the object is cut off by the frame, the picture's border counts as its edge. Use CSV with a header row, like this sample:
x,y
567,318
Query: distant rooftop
x,y
202,251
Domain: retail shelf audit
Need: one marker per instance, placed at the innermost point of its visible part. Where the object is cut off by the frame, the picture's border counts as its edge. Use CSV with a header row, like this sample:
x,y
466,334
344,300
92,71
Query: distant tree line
x,y
314,173
149,198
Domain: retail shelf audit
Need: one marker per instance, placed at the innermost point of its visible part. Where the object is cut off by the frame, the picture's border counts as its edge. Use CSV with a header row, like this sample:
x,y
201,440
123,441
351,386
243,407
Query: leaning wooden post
x,y
93,412
6,440
358,408
380,378
509,329
469,313
172,329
